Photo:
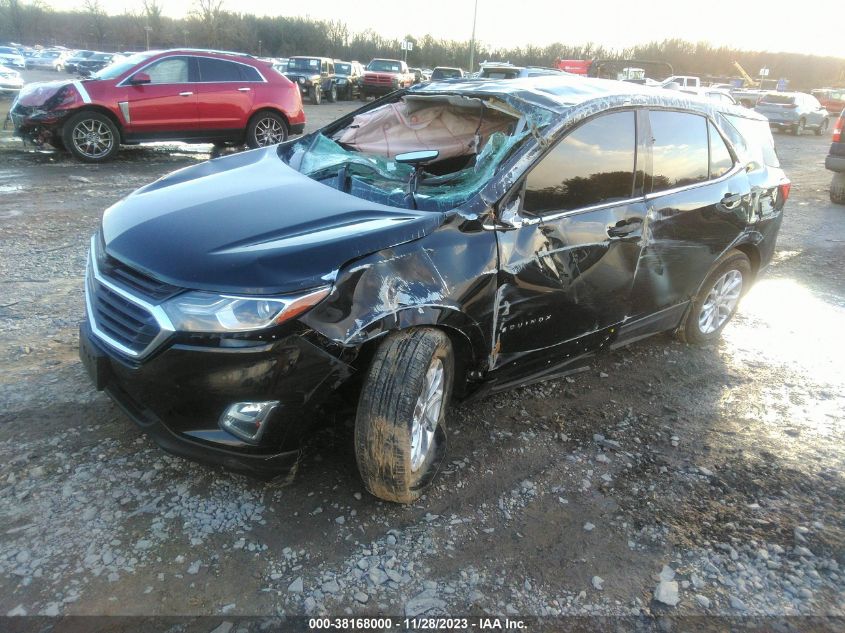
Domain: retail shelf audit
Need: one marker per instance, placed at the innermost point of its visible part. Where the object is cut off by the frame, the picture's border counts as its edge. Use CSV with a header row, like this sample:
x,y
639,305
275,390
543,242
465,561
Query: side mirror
x,y
140,78
509,217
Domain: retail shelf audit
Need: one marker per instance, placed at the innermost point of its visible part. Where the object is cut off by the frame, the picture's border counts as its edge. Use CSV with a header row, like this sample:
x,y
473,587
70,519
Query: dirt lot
x,y
719,468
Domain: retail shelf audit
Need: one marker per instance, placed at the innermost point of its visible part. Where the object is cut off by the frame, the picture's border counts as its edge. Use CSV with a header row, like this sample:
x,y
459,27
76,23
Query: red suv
x,y
176,95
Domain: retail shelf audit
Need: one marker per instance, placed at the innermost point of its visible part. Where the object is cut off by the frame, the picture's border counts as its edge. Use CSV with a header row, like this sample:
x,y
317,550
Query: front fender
x,y
447,279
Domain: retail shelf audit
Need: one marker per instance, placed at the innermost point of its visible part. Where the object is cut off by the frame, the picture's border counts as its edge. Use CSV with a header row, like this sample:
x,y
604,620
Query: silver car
x,y
10,80
793,111
48,60
11,57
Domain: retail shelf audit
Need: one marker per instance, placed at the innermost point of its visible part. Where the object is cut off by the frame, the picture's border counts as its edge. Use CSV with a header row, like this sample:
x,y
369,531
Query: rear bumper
x,y
835,163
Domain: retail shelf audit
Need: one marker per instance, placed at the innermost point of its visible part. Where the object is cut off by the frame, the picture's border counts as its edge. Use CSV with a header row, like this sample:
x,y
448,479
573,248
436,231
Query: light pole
x,y
259,48
472,41
185,33
147,30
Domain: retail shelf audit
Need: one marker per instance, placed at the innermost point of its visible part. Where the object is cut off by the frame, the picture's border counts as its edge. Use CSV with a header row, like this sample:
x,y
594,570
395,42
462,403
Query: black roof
x,y
563,92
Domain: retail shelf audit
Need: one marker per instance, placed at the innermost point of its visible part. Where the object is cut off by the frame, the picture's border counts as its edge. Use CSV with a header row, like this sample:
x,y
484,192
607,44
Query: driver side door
x,y
167,105
569,255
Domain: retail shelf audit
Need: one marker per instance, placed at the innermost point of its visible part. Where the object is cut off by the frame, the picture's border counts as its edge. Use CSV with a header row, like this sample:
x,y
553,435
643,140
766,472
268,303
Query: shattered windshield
x,y
472,138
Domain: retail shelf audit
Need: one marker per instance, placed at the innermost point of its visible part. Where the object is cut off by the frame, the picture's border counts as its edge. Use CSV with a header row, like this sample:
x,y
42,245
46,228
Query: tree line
x,y
209,25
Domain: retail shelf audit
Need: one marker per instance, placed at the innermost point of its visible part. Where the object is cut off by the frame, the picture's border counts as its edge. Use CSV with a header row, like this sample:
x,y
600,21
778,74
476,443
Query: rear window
x,y
780,99
680,150
755,139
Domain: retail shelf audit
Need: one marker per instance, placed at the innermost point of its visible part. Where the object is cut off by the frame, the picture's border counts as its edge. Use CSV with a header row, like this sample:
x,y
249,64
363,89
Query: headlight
x,y
209,312
302,80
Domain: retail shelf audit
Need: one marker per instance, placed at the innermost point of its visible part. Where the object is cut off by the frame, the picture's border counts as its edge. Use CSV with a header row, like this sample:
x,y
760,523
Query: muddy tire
x,y
400,437
91,137
837,189
717,300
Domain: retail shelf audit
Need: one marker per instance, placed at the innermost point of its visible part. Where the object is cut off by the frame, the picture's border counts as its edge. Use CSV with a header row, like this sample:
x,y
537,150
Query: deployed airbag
x,y
401,127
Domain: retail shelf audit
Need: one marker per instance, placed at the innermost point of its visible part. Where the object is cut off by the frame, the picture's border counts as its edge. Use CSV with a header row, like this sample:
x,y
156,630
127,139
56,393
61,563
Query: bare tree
x,y
209,13
97,21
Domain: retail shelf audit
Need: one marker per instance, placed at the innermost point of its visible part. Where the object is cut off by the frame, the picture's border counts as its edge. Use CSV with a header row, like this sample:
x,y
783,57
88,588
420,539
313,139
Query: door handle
x,y
243,89
185,94
624,228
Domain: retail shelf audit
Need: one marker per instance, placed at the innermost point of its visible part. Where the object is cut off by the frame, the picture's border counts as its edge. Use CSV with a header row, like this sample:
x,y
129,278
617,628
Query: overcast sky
x,y
815,28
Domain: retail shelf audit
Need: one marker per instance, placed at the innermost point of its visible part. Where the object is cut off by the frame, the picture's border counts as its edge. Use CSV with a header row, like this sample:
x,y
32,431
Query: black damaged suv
x,y
229,302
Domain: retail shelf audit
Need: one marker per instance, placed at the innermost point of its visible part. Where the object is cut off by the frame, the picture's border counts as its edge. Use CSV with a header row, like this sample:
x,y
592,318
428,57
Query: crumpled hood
x,y
249,223
40,93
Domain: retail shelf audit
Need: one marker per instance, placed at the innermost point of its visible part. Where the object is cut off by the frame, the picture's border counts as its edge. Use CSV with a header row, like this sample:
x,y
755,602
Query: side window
x,y
680,153
324,68
212,69
721,160
172,70
248,73
593,164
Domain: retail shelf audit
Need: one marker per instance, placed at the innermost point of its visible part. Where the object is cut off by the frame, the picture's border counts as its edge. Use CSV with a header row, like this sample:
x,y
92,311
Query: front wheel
x,y
333,93
822,127
717,300
400,437
266,128
91,137
316,94
798,130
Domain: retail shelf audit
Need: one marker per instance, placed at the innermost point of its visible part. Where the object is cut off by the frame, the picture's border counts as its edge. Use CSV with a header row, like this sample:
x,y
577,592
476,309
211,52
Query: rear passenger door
x,y
698,199
226,92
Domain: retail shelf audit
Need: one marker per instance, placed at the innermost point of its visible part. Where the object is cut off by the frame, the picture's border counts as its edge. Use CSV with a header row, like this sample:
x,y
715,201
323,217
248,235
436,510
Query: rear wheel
x,y
837,189
400,437
798,130
822,127
716,303
266,128
91,137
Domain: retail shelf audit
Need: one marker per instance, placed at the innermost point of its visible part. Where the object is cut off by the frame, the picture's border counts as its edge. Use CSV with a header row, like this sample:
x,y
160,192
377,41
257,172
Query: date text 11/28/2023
x,y
418,624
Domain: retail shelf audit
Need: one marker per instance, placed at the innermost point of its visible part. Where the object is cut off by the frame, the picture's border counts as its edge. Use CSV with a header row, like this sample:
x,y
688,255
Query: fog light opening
x,y
246,420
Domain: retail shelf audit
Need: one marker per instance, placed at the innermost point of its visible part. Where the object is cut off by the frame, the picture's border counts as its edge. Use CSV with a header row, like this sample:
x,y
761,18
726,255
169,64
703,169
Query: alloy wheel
x,y
268,131
427,412
92,138
720,302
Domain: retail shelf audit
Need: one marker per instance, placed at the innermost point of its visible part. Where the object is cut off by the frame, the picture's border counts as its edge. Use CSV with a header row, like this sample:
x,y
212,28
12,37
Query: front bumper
x,y
378,89
179,394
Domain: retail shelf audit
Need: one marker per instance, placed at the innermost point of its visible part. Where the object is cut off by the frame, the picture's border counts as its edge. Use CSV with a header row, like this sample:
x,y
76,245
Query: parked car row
x,y
180,95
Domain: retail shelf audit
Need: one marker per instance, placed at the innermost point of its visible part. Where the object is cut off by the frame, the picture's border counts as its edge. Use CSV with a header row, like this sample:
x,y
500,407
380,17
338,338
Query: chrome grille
x,y
121,319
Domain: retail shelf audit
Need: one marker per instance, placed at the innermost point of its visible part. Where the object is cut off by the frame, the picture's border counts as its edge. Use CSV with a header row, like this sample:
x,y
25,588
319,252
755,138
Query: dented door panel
x,y
684,234
563,281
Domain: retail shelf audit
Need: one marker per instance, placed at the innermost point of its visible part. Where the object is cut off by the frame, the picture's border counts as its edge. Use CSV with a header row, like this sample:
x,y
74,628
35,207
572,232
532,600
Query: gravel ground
x,y
665,479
